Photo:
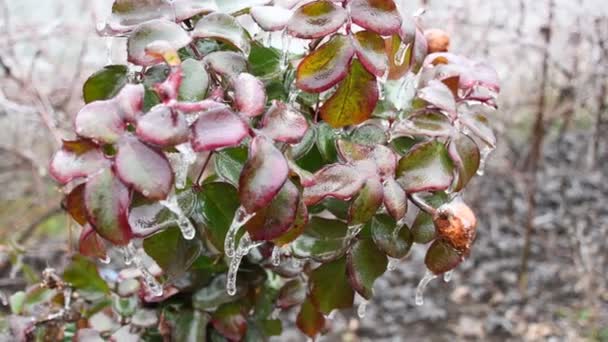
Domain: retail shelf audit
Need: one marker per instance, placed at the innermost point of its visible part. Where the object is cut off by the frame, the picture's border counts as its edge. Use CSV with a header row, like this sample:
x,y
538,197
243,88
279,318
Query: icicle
x,y
150,282
172,4
447,276
362,308
428,276
180,162
183,222
109,43
484,154
245,245
268,39
400,54
129,252
276,256
105,260
240,218
285,43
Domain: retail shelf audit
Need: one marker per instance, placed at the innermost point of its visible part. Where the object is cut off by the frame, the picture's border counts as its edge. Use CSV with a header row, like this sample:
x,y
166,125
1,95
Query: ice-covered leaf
x,y
423,228
355,99
326,142
309,320
107,202
393,239
471,73
74,205
225,28
330,288
336,180
236,6
297,228
230,321
323,240
100,121
370,134
250,95
226,63
130,101
83,275
306,143
263,176
326,66
385,160
365,263
229,163
475,118
195,81
163,126
90,243
105,83
172,252
367,202
76,158
395,200
316,19
292,293
351,152
217,203
465,155
371,52
277,217
380,16
151,32
132,12
284,123
439,95
271,18
424,125
144,168
399,57
427,167
218,128
441,257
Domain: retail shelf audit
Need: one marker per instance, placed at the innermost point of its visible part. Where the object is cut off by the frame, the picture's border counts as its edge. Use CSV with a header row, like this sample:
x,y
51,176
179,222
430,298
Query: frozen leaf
x,y
423,228
105,83
392,238
144,168
277,217
230,321
439,95
427,167
172,252
292,293
163,126
441,257
466,157
130,101
297,228
150,32
365,263
370,51
83,275
132,12
264,60
271,18
250,95
306,143
225,28
90,244
399,57
380,16
369,134
471,73
316,19
474,117
354,101
76,158
310,321
336,180
326,66
385,160
423,125
330,288
100,121
326,142
107,202
323,240
211,296
226,63
263,176
395,200
284,123
367,202
74,204
195,81
218,128
351,152
229,163
237,6
217,203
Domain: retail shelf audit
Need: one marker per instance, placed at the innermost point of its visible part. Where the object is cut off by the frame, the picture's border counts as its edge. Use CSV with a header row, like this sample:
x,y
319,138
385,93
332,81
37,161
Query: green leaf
x,y
217,203
229,163
323,240
172,252
312,161
427,167
441,257
84,276
230,321
423,228
330,288
326,142
264,60
152,31
194,82
355,99
392,239
365,263
105,83
371,52
466,157
17,301
225,28
310,321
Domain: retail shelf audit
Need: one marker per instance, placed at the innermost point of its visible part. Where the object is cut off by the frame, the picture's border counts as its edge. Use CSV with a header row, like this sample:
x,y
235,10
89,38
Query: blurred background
x,y
539,267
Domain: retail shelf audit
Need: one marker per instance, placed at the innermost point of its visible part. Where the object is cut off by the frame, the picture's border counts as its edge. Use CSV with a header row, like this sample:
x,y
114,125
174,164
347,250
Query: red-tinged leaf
x,y
370,51
218,128
326,66
439,95
226,63
297,228
263,175
395,200
310,321
427,167
424,125
163,126
277,217
354,101
420,50
107,202
393,239
465,155
100,121
330,288
316,19
284,123
367,202
350,152
230,321
130,101
441,257
225,28
365,263
399,57
385,160
74,204
474,117
196,107
126,13
380,16
271,18
90,244
79,158
471,73
250,95
323,240
336,180
144,168
150,32
292,293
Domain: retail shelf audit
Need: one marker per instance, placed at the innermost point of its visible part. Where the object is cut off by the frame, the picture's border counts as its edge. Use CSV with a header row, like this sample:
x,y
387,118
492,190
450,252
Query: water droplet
x,y
428,276
484,154
105,260
276,256
447,276
245,245
400,54
285,44
362,308
240,218
183,222
150,282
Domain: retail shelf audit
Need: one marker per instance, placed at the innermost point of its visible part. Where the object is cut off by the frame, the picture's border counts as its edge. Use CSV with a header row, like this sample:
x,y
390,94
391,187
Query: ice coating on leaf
x,y
386,161
107,202
365,263
226,63
225,28
474,117
218,128
130,101
427,167
250,95
326,66
296,229
425,124
390,236
127,13
466,157
371,52
316,19
284,123
395,200
152,31
195,81
471,73
380,16
277,217
351,152
90,244
439,95
163,126
336,180
168,89
263,175
68,163
271,18
441,257
74,205
367,202
100,121
144,168
424,282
